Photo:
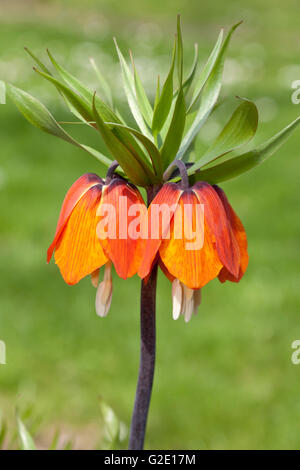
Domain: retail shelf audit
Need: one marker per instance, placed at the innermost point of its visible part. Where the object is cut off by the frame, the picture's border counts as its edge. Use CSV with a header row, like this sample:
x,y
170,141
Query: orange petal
x,y
95,278
78,251
241,237
217,220
123,246
76,191
160,213
193,267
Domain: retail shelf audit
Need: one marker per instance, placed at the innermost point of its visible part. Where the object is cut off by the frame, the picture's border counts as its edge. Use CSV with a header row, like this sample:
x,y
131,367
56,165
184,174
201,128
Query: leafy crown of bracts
x,y
166,130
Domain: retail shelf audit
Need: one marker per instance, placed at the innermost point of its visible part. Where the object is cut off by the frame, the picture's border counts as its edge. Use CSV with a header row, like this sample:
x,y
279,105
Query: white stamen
x,y
177,298
104,293
187,311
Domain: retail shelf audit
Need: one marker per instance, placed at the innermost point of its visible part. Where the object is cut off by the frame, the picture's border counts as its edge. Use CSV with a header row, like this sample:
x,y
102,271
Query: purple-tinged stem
x,y
147,356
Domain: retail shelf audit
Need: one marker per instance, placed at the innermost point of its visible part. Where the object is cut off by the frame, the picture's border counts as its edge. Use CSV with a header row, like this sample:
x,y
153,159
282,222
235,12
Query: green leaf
x,y
134,167
38,61
103,83
179,52
2,92
164,102
129,87
111,426
175,132
35,112
239,130
245,162
68,445
80,103
83,105
205,72
157,94
142,97
84,93
152,150
47,71
38,115
54,443
3,433
26,440
189,80
209,96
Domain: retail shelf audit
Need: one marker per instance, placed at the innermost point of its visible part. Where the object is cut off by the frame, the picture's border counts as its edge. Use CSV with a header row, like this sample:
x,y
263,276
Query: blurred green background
x,y
223,381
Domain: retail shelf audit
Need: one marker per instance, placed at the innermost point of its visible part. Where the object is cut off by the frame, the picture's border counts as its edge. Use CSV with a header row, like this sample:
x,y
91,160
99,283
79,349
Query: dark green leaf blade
x,y
134,168
152,150
175,132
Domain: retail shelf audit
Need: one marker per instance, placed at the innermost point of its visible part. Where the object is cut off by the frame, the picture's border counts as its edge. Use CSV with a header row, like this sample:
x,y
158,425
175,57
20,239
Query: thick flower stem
x,y
147,362
147,356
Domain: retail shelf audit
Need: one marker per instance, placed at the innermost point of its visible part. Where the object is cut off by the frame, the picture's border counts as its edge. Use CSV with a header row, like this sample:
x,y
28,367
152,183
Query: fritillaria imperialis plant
x,y
155,155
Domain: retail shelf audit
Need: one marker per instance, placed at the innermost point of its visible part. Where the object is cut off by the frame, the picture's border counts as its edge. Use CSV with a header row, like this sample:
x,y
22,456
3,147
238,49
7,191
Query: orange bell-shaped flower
x,y
201,239
80,244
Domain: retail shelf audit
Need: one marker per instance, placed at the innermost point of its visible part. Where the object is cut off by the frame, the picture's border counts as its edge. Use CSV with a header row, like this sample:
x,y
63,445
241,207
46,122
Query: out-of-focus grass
x,y
226,379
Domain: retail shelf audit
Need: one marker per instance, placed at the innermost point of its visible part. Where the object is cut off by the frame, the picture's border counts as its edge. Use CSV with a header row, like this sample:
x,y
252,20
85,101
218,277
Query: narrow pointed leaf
x,y
209,96
163,105
134,168
47,71
84,93
152,150
38,61
129,87
245,162
239,130
80,103
38,115
2,92
103,83
142,97
157,94
3,433
83,105
25,438
189,79
95,153
175,132
179,52
111,426
205,72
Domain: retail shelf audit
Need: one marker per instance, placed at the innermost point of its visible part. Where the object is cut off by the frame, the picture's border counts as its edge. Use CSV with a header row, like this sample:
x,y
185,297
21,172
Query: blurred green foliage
x,y
226,379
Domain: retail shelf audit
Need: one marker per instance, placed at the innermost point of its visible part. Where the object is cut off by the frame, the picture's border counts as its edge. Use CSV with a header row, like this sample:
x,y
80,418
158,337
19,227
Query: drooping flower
x,y
82,244
197,238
